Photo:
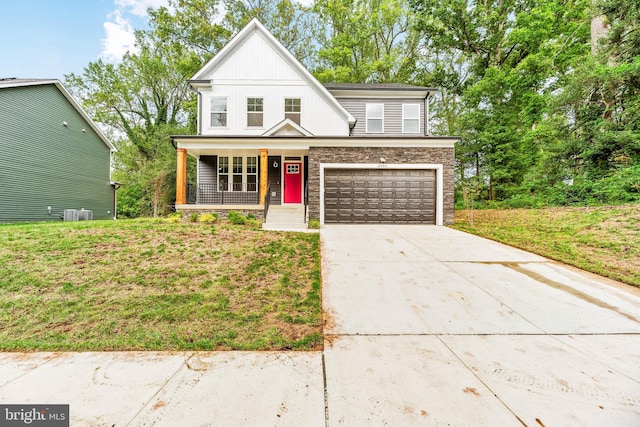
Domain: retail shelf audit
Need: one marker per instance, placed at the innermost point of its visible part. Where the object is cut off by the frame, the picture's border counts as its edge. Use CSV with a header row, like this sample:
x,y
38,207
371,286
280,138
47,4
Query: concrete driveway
x,y
431,326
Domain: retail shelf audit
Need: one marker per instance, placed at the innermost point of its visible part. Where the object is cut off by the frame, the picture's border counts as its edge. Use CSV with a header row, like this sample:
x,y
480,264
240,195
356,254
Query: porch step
x,y
287,218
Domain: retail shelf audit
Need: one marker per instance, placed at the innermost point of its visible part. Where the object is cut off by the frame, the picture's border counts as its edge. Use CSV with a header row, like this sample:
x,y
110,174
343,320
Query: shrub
x,y
208,218
314,224
193,217
174,217
236,218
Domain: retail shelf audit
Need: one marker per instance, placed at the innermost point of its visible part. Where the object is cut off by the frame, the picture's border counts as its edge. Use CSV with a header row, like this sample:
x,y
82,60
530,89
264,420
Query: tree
x,y
203,27
515,52
366,41
142,101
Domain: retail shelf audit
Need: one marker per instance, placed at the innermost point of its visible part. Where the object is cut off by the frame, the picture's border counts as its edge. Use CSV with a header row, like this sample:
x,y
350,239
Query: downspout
x,y
427,124
351,127
199,111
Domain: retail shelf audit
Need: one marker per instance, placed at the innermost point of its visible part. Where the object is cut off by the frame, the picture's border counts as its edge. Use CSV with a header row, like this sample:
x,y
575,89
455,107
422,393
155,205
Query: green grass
x,y
604,240
154,285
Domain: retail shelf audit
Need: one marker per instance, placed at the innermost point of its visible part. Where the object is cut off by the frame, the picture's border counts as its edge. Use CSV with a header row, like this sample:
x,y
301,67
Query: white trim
x,y
226,111
205,145
410,118
230,173
366,117
287,123
247,112
439,184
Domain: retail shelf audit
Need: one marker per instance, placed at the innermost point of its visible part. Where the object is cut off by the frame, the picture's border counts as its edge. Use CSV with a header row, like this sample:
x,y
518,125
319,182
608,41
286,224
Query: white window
x,y
410,118
292,109
218,111
223,173
242,176
375,118
252,174
237,174
254,112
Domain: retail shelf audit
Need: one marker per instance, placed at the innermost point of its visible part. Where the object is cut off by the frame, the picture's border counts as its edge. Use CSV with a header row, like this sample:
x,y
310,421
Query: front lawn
x,y
604,240
151,285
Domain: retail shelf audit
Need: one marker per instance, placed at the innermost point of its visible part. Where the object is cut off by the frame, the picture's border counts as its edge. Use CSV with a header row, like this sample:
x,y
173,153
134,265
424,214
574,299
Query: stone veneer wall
x,y
392,155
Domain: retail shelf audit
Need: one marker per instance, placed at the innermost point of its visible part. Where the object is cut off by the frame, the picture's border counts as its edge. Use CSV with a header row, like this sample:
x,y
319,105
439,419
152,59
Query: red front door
x,y
292,182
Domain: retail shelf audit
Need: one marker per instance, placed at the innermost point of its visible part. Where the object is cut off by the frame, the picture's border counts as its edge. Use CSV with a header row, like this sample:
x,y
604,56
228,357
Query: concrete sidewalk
x,y
170,389
425,326
431,326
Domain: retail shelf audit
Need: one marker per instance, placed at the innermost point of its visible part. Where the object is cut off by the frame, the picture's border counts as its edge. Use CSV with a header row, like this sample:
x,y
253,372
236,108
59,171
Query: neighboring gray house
x,y
52,156
270,134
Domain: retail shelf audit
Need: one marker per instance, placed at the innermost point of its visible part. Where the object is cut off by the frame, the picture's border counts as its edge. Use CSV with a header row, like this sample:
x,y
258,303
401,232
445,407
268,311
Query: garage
x,y
384,196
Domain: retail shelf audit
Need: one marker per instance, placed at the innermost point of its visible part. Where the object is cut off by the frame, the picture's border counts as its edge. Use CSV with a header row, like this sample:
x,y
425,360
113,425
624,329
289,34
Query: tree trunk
x,y
599,29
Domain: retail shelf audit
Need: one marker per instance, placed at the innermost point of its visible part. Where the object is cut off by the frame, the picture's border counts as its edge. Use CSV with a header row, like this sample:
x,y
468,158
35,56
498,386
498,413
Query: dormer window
x,y
375,118
410,118
292,109
254,112
218,111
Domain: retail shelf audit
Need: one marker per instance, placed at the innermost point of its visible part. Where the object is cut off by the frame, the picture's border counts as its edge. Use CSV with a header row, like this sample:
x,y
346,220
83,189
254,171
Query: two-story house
x,y
269,132
54,159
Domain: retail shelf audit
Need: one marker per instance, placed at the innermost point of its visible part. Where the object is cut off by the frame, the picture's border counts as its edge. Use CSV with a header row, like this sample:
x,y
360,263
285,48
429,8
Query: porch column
x,y
264,174
181,177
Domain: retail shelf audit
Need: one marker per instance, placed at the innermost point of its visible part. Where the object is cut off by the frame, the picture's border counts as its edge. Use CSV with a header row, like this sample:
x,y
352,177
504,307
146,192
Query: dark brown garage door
x,y
388,196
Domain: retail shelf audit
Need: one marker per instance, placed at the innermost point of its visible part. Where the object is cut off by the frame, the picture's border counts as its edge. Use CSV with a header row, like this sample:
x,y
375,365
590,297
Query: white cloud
x,y
119,31
119,37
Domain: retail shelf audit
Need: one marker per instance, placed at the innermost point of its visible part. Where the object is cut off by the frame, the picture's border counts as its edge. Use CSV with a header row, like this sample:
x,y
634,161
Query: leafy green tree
x,y
515,53
203,27
142,101
602,97
366,41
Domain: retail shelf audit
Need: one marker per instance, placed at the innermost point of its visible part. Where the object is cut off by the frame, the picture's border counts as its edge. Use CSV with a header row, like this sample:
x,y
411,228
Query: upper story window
x,y
254,111
218,111
410,118
292,109
375,118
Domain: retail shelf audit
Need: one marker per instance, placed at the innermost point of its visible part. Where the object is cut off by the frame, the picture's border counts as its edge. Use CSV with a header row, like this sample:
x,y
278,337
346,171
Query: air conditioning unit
x,y
70,215
85,215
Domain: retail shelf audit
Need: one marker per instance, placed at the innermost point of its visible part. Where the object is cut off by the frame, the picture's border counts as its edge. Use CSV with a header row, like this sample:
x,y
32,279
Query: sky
x,y
51,38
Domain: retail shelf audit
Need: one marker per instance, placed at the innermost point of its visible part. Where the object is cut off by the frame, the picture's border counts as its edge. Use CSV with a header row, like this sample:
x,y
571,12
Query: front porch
x,y
245,180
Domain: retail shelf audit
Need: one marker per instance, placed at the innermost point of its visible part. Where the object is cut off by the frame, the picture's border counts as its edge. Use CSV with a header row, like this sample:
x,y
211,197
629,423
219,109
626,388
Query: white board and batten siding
x,y
257,70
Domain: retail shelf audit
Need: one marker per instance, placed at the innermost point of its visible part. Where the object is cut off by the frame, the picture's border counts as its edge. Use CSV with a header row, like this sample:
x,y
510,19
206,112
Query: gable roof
x,y
239,39
15,82
287,127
